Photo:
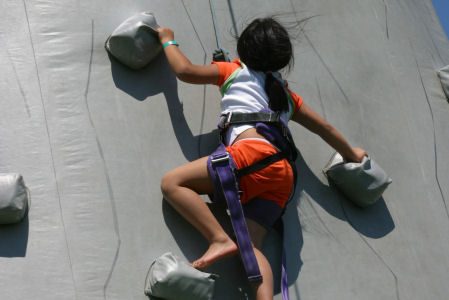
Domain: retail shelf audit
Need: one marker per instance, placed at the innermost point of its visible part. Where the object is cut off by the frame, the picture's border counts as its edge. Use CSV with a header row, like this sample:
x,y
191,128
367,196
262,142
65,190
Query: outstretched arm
x,y
315,123
181,65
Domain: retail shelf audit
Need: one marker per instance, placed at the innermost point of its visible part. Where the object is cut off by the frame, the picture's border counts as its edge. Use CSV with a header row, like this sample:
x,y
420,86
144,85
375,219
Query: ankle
x,y
220,239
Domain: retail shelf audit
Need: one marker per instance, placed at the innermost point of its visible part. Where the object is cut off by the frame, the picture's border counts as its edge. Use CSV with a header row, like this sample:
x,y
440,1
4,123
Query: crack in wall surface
x,y
431,36
435,146
105,168
396,281
328,232
318,54
234,23
341,203
320,98
203,110
387,31
326,67
16,76
433,42
51,151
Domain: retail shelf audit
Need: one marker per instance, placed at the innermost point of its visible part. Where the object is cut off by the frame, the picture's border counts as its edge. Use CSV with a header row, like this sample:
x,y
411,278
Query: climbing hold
x,y
171,278
363,183
14,198
135,42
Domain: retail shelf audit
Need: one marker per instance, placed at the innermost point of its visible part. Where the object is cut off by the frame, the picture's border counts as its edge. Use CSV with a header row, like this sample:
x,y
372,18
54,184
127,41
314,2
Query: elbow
x,y
183,72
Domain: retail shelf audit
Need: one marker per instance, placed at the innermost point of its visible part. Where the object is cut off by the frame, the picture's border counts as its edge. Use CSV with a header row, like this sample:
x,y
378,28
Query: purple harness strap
x,y
284,278
221,168
284,282
222,171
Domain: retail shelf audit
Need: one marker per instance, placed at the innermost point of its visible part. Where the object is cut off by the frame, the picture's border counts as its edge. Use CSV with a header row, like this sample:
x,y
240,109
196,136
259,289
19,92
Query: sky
x,y
442,9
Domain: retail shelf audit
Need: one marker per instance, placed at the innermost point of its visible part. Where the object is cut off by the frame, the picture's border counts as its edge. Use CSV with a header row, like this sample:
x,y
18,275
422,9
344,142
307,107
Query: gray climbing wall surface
x,y
93,139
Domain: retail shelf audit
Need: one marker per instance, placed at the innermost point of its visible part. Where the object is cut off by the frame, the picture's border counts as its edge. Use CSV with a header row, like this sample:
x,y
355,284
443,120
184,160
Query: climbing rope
x,y
219,54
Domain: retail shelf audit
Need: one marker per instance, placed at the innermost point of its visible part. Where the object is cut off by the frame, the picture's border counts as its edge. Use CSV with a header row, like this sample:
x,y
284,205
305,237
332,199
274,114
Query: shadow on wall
x,y
232,282
14,239
373,222
158,78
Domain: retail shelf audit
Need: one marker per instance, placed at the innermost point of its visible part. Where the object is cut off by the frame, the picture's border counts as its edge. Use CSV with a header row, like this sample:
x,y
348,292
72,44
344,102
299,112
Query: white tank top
x,y
246,94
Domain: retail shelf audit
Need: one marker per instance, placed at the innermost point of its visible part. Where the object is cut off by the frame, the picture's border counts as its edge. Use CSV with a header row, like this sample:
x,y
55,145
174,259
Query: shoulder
x,y
296,99
226,69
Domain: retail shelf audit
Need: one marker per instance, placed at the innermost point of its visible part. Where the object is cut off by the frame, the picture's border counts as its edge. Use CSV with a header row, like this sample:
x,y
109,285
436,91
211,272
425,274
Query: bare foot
x,y
216,251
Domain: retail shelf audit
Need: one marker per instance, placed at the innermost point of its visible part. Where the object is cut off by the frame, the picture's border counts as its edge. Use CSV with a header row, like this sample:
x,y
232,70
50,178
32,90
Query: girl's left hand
x,y
357,155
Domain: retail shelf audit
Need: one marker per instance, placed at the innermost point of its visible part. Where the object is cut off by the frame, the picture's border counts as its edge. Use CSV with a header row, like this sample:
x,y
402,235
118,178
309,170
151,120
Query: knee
x,y
169,183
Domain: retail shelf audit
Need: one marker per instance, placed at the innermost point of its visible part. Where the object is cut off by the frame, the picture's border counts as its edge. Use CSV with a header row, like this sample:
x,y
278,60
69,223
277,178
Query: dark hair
x,y
265,46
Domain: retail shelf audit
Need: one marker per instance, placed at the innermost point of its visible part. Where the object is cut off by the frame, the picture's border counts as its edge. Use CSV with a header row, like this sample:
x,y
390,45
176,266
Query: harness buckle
x,y
275,117
229,117
225,120
220,158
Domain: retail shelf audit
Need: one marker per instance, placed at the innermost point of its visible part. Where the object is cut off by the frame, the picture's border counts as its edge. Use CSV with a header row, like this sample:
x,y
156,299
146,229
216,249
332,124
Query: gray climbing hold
x,y
363,183
135,42
171,278
14,198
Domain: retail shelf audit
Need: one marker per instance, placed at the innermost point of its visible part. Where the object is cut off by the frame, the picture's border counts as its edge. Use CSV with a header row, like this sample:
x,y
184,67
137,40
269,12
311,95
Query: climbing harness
x,y
226,175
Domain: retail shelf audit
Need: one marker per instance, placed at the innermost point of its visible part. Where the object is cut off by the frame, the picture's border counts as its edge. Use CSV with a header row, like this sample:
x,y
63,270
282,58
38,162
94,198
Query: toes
x,y
198,264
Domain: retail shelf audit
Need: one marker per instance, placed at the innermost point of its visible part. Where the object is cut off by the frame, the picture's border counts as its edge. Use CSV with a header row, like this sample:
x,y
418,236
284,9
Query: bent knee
x,y
169,183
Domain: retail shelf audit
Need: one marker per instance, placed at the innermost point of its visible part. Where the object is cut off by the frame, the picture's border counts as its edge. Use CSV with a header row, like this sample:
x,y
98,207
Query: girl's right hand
x,y
165,34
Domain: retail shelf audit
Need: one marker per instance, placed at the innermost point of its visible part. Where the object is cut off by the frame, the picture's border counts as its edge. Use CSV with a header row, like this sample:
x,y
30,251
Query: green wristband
x,y
172,42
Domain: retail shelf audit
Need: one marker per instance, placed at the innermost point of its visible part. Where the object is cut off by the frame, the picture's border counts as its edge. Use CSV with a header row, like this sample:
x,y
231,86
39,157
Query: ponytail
x,y
278,100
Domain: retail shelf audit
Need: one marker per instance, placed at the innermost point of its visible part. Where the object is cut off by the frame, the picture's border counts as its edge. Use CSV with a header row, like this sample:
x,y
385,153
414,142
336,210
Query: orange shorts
x,y
274,183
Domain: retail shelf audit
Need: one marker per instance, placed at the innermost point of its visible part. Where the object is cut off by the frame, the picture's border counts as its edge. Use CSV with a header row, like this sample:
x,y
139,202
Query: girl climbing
x,y
249,85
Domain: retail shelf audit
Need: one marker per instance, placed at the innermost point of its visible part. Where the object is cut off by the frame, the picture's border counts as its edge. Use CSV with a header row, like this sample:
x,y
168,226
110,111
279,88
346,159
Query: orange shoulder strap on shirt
x,y
225,69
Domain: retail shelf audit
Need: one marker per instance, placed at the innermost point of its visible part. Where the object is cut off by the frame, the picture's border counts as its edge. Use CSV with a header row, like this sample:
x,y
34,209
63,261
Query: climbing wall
x,y
93,139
